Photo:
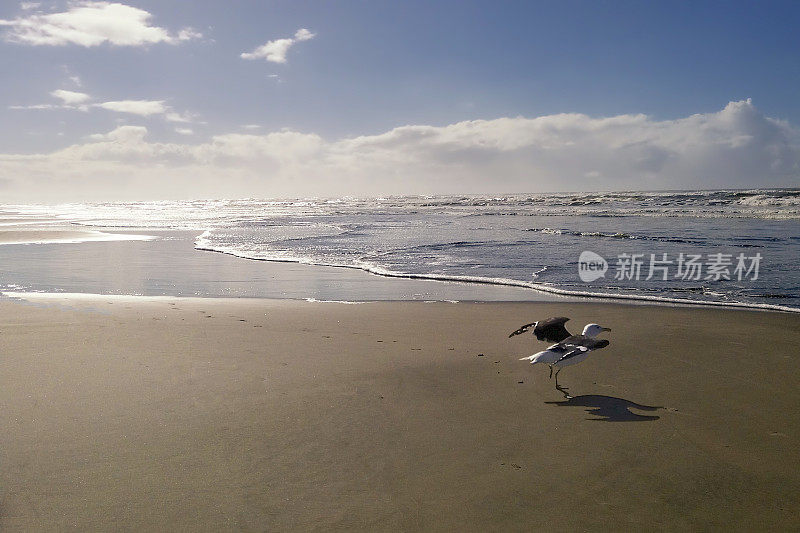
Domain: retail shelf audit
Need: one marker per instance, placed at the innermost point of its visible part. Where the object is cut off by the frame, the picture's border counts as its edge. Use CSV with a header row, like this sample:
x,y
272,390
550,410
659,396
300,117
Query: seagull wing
x,y
572,353
576,345
522,329
552,329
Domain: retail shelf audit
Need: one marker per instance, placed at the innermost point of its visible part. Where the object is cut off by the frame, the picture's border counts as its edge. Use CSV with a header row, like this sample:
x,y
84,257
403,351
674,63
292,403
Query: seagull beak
x,y
605,329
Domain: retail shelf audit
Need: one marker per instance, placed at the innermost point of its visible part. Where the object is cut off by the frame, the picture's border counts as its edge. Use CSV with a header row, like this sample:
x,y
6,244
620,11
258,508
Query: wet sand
x,y
36,236
60,235
170,265
206,415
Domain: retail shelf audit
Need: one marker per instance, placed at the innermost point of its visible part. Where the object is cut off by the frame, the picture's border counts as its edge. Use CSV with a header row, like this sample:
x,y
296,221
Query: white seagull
x,y
569,349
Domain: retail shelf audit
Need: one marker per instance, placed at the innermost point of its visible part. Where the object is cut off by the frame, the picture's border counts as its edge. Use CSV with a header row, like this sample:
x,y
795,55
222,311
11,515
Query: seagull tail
x,y
535,358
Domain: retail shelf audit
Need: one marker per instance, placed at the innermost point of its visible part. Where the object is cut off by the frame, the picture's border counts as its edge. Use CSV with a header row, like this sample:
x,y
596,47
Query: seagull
x,y
569,349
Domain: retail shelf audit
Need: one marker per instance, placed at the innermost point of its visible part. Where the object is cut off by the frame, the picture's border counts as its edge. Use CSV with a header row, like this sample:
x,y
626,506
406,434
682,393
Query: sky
x,y
147,100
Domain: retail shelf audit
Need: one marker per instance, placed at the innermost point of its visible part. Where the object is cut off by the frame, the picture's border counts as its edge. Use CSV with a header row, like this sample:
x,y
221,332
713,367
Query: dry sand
x,y
267,415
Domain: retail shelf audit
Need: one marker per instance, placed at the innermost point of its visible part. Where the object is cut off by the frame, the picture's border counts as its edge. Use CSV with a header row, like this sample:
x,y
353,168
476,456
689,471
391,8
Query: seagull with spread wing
x,y
569,349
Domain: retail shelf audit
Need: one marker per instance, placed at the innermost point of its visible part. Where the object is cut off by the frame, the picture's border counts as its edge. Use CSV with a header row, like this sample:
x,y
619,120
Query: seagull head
x,y
593,330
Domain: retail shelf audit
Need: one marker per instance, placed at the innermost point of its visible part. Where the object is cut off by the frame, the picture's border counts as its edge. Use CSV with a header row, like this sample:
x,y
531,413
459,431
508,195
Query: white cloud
x,y
69,100
70,97
123,134
303,35
172,116
187,34
251,126
27,6
275,51
37,106
70,77
184,131
735,147
89,23
144,108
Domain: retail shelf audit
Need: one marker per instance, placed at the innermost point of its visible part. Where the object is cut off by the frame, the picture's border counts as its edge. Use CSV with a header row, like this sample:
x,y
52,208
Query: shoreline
x,y
287,278
536,287
33,296
171,265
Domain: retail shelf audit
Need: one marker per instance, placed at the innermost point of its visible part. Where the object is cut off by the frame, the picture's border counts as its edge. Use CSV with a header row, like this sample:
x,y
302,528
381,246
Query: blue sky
x,y
370,67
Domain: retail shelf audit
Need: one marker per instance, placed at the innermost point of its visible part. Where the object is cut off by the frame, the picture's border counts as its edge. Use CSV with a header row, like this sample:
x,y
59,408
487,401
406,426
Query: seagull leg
x,y
551,372
562,390
565,392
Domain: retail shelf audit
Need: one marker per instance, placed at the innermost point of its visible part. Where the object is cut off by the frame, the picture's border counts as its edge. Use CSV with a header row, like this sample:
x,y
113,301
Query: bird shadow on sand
x,y
608,408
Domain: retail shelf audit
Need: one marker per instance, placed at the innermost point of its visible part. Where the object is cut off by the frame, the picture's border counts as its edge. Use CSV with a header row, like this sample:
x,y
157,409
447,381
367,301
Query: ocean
x,y
730,247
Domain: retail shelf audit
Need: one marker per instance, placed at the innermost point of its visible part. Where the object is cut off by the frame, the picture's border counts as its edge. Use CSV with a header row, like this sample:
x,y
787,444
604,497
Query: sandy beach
x,y
186,414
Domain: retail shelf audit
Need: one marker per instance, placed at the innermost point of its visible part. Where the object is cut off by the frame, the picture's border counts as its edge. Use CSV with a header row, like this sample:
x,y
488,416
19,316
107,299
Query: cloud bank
x,y
275,51
90,24
737,147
